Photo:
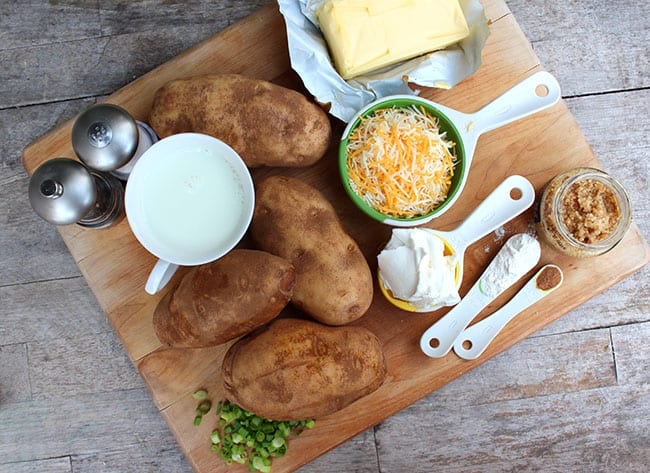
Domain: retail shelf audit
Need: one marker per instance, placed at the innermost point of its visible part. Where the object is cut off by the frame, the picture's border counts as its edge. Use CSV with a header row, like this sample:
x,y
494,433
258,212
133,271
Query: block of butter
x,y
366,35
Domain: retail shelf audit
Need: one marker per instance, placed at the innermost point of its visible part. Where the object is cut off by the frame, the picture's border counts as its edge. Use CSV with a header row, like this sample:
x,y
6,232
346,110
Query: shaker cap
x,y
105,137
62,191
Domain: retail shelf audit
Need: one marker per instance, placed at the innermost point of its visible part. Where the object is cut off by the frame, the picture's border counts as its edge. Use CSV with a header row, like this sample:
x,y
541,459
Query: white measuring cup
x,y
509,199
189,200
438,339
537,92
473,341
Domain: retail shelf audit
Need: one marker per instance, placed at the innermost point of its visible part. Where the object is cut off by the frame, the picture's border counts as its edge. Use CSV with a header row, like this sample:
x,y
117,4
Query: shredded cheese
x,y
399,163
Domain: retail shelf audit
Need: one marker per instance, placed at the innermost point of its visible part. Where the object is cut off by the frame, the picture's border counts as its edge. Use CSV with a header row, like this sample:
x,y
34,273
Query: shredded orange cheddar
x,y
399,163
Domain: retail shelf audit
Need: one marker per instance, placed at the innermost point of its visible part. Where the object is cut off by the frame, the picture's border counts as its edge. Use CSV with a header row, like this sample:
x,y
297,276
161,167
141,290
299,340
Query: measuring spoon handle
x,y
438,339
473,341
535,93
512,197
519,255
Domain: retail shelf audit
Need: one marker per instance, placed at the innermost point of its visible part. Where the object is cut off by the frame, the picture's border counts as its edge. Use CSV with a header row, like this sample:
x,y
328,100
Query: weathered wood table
x,y
572,397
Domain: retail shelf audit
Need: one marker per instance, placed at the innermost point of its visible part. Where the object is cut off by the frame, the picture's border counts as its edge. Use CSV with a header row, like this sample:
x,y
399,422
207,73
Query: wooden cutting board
x,y
538,147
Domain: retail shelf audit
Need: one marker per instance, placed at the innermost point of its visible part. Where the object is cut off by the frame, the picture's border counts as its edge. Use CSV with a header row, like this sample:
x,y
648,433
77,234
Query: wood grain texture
x,y
584,45
592,430
554,402
61,308
14,373
50,465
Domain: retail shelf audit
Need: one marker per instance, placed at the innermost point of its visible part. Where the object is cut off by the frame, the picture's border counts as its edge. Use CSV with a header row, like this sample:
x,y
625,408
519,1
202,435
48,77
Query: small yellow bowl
x,y
407,306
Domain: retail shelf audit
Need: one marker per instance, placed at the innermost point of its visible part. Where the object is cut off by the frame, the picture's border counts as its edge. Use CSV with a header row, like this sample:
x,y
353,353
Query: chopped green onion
x,y
261,464
204,406
279,452
228,416
243,437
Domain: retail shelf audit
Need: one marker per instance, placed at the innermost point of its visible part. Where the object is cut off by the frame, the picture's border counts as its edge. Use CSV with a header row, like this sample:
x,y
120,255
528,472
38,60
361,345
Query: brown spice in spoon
x,y
548,278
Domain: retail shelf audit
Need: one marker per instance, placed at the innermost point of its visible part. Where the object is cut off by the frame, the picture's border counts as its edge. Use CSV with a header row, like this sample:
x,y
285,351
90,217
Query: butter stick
x,y
366,35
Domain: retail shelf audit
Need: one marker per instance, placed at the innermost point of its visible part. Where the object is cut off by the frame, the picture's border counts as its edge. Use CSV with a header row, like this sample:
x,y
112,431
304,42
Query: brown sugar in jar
x,y
583,212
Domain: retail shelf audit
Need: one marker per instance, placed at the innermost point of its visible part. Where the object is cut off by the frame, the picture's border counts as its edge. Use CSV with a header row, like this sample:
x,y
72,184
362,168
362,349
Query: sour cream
x,y
415,268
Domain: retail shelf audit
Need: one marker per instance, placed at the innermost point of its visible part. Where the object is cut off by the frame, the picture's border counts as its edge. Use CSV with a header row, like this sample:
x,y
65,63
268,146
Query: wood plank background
x,y
574,397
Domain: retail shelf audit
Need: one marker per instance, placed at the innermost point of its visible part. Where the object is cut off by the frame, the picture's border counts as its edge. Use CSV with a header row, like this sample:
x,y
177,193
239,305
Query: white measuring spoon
x,y
510,198
473,341
438,339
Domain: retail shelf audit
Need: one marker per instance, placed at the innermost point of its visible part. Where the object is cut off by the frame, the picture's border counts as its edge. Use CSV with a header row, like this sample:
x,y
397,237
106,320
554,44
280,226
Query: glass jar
x,y
583,212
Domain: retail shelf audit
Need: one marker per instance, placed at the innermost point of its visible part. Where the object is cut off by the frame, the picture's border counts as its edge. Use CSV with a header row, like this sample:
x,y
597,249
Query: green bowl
x,y
445,124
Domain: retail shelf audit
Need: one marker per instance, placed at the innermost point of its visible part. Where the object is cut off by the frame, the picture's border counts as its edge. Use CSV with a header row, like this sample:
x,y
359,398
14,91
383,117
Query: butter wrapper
x,y
310,58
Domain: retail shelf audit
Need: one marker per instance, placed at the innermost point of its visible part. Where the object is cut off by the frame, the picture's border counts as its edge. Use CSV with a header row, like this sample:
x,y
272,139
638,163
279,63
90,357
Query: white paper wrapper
x,y
311,60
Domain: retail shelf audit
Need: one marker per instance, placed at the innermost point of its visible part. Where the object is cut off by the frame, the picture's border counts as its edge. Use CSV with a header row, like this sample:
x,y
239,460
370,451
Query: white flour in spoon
x,y
519,255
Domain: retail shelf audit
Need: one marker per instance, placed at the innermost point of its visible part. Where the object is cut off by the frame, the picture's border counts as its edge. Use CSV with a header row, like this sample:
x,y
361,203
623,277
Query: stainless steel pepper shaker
x,y
106,137
63,191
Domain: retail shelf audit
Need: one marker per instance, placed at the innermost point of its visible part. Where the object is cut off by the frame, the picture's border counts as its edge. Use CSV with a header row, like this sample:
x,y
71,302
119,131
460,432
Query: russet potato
x,y
222,300
293,369
265,123
294,220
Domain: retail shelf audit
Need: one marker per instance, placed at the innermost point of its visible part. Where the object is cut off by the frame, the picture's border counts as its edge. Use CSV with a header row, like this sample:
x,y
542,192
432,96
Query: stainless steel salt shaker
x,y
63,191
106,137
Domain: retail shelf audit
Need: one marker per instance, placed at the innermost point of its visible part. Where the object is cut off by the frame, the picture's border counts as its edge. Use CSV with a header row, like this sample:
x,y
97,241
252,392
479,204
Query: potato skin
x,y
222,300
266,124
295,369
294,220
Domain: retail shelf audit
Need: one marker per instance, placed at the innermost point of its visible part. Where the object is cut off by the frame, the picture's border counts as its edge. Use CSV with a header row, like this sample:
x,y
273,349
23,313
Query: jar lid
x,y
62,191
105,137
